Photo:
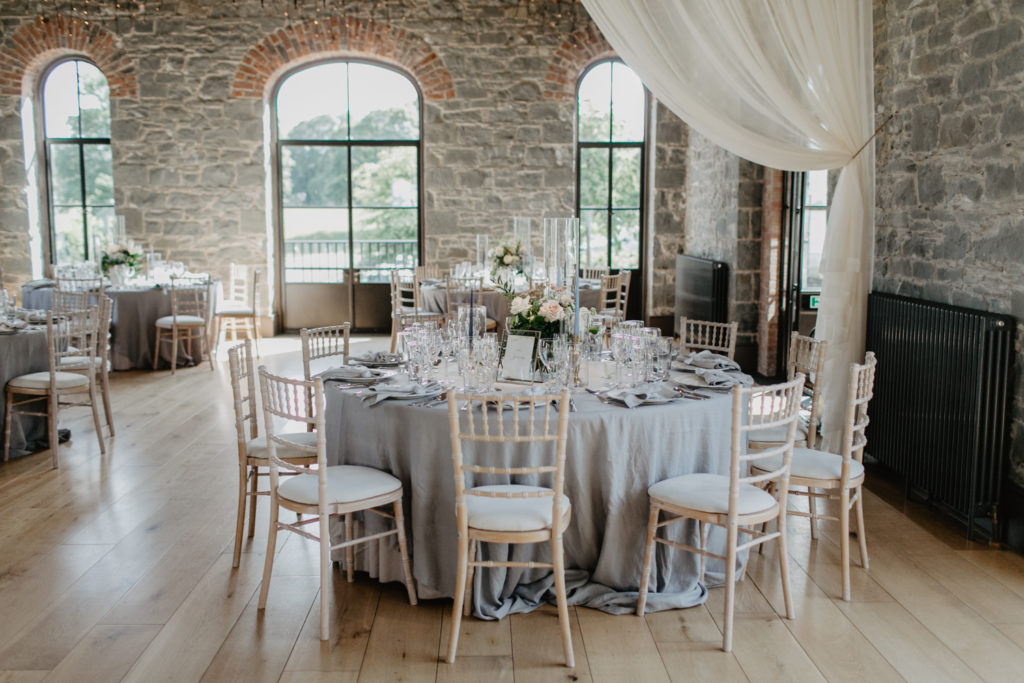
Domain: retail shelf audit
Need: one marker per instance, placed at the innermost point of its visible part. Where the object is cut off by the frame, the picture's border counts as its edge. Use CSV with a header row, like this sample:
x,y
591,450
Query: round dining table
x,y
22,353
613,455
434,299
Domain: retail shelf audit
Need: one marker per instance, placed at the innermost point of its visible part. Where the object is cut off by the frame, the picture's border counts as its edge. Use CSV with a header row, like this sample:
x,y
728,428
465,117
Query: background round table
x,y
20,354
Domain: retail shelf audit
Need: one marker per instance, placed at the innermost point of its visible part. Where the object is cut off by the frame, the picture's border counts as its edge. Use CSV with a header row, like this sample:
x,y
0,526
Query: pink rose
x,y
551,311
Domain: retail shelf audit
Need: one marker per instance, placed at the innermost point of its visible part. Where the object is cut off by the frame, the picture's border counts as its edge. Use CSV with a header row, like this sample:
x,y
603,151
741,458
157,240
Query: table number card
x,y
520,353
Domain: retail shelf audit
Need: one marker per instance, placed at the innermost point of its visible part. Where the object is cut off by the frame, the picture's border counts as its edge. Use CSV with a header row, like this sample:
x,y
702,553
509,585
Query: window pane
x,y
99,175
94,101
70,245
594,104
813,245
65,175
315,244
626,186
626,239
102,230
385,238
593,239
816,189
60,101
627,105
312,104
384,104
593,177
314,176
384,176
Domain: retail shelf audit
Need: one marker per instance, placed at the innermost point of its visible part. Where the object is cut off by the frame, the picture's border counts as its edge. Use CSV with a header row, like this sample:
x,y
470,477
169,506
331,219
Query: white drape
x,y
787,84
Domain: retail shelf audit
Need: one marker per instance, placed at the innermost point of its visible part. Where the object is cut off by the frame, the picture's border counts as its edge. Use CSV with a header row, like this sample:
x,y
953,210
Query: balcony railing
x,y
327,260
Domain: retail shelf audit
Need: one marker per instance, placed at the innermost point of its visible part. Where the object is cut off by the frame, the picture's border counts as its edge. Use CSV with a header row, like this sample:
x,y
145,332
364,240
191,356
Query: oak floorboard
x,y
607,636
404,642
104,654
537,647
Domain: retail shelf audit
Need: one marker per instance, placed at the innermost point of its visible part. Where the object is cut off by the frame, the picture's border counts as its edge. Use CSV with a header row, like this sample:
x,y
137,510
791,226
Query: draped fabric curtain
x,y
787,84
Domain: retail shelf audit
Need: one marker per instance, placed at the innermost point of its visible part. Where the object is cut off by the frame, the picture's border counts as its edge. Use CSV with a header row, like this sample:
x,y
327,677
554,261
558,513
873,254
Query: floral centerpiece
x,y
510,256
548,311
120,255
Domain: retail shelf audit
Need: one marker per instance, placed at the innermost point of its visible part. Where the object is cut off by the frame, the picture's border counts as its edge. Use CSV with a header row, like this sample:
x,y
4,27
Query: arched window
x,y
349,156
80,177
611,112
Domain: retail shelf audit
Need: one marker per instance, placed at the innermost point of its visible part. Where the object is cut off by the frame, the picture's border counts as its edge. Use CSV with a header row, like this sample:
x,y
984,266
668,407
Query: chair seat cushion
x,y
808,463
511,514
257,448
710,493
167,321
777,434
235,311
41,380
345,484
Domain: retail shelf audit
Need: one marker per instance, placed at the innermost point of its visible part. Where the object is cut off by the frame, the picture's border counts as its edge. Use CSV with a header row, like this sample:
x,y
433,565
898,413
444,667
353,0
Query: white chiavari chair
x,y
239,310
67,300
318,343
593,273
252,448
737,501
188,322
702,335
431,272
509,512
321,491
840,476
71,335
69,283
610,303
459,291
100,362
404,305
807,356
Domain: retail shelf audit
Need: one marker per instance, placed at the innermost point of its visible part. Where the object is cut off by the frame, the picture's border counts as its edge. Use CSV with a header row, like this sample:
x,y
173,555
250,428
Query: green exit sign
x,y
815,298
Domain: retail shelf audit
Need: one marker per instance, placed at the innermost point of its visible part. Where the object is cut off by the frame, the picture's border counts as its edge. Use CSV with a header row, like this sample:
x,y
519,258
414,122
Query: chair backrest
x,y
238,283
66,300
627,277
324,342
72,336
432,272
243,393
190,295
502,419
70,283
762,408
286,400
593,273
458,290
700,335
611,294
807,355
103,321
862,388
403,293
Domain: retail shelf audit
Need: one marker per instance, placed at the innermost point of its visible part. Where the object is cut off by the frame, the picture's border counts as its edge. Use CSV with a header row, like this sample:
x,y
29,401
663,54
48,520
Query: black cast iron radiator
x,y
940,416
702,289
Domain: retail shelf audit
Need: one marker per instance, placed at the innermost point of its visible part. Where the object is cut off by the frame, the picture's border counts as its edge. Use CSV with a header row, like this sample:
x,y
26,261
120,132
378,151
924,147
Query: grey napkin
x,y
718,378
400,386
642,394
711,361
346,372
378,357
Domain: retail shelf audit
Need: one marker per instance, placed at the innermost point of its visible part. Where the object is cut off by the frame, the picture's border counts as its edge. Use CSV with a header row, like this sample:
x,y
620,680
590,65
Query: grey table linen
x,y
21,354
614,454
133,326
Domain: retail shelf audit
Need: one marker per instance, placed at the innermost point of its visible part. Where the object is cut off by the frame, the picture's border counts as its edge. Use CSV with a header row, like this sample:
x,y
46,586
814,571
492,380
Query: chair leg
x,y
7,424
94,404
257,334
210,349
460,594
243,471
350,551
784,566
558,559
702,532
268,561
645,573
174,350
812,510
156,349
403,549
325,577
844,540
730,585
52,409
254,478
105,391
467,604
862,536
394,334
217,328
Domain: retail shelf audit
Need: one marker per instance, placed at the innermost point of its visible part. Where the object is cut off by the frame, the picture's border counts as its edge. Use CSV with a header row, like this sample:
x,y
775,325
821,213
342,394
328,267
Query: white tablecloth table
x,y
613,455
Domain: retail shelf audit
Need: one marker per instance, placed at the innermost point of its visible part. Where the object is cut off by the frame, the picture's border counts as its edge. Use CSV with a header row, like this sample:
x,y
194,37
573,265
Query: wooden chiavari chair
x,y
610,302
807,356
840,476
404,306
593,273
321,491
189,320
100,362
459,290
737,501
701,335
239,311
509,513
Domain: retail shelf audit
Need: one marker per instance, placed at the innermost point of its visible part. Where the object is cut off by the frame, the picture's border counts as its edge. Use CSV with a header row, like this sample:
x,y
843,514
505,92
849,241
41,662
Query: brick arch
x,y
33,46
341,36
579,50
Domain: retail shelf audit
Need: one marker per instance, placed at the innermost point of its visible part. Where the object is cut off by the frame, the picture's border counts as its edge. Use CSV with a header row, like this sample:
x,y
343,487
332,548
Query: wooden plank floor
x,y
118,567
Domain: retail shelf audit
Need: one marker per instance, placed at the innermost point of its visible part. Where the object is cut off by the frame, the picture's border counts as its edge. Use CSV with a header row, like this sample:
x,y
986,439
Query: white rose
x,y
520,304
551,311
508,259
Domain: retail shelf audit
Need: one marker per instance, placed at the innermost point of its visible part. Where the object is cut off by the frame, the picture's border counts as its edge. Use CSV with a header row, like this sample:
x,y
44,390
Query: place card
x,y
520,354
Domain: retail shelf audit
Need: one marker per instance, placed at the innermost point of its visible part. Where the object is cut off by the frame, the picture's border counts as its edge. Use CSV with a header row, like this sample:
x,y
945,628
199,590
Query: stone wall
x,y
951,163
670,189
189,145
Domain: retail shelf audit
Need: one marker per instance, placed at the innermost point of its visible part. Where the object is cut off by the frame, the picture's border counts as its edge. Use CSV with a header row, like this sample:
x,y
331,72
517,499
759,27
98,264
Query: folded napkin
x,y
718,378
711,361
378,357
12,326
38,284
654,392
400,386
32,316
345,372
